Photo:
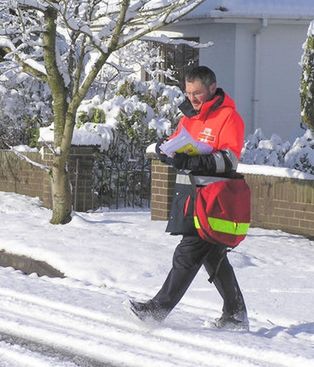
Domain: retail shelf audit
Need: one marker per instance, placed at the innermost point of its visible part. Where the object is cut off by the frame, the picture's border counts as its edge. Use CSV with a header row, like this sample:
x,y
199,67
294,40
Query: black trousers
x,y
191,253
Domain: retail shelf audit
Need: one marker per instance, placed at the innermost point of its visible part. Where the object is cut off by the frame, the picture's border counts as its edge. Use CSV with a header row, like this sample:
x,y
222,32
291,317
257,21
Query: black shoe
x,y
149,310
238,321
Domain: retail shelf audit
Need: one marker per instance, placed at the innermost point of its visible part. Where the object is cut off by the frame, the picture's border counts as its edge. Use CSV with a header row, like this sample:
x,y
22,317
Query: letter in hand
x,y
163,157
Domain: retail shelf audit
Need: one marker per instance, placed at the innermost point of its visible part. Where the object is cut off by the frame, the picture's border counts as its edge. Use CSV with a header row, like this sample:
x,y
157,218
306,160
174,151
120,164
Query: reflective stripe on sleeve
x,y
220,162
199,180
232,158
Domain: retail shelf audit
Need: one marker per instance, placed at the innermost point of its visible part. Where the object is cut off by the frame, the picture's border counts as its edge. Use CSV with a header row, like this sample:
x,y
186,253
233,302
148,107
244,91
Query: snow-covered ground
x,y
110,256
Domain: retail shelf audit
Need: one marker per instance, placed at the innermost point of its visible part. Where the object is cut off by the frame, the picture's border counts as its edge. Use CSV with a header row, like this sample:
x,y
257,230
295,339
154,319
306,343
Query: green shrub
x,y
307,80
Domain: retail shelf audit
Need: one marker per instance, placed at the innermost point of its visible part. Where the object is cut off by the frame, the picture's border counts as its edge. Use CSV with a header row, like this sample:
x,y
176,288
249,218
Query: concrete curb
x,y
28,265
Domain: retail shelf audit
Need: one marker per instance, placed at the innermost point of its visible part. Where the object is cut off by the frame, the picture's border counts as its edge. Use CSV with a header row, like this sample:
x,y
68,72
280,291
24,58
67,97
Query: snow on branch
x,y
178,41
5,43
38,68
153,15
30,66
32,4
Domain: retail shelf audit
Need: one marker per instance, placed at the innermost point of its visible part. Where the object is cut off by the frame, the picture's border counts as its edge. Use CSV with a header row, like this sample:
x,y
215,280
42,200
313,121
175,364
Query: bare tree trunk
x,y
61,193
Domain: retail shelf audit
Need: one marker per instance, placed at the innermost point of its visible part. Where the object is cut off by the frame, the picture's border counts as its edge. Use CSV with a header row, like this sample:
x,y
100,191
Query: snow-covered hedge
x,y
275,152
24,107
124,126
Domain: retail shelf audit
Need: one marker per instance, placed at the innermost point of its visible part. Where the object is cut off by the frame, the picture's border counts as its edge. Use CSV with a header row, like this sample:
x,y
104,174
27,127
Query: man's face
x,y
198,93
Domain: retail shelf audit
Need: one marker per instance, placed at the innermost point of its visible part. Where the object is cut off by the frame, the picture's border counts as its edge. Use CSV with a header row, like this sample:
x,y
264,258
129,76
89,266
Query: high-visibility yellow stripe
x,y
196,222
227,226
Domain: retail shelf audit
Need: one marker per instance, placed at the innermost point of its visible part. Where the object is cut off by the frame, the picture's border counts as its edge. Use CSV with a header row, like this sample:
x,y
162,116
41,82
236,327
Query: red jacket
x,y
219,125
222,128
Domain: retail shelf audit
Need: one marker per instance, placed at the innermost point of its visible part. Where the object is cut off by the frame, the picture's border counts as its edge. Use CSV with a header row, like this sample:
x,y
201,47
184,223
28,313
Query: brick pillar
x,y
162,185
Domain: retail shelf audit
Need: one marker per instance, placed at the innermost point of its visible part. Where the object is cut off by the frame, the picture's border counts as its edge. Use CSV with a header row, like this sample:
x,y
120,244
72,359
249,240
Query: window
x,y
178,58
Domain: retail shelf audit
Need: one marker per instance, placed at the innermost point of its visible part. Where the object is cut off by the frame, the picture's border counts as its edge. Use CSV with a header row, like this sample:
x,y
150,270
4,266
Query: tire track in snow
x,y
133,348
74,327
103,351
16,352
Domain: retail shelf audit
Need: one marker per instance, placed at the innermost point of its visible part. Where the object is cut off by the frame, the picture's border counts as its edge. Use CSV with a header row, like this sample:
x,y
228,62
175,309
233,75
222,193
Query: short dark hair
x,y
203,73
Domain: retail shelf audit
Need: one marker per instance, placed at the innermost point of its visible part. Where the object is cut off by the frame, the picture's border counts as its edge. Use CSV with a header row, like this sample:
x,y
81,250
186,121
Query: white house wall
x,y
267,77
279,79
244,73
266,89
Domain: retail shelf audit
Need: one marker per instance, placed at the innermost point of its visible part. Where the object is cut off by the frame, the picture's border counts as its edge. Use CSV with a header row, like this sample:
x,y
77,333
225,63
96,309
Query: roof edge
x,y
234,17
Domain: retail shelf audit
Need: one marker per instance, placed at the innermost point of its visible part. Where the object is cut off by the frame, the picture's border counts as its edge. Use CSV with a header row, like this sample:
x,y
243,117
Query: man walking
x,y
210,116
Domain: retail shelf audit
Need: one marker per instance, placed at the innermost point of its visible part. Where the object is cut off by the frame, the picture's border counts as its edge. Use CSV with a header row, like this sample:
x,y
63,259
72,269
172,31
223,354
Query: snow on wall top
x,y
287,9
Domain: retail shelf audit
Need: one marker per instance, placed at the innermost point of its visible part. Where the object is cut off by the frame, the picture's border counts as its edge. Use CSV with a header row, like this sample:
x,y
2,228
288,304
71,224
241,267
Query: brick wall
x,y
277,202
17,175
282,203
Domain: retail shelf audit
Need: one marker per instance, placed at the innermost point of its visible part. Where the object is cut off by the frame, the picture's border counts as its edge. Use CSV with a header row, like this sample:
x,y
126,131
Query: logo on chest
x,y
206,136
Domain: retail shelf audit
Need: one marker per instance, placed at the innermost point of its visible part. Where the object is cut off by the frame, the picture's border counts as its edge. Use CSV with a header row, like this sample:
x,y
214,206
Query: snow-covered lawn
x,y
110,256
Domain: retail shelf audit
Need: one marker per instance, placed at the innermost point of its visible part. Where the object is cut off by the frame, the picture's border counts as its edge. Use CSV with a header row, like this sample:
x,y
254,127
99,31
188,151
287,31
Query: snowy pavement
x,y
108,257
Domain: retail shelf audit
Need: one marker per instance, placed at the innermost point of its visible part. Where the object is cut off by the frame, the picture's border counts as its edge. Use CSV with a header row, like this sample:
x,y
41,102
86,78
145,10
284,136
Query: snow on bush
x,y
24,107
273,152
301,154
258,150
136,116
137,106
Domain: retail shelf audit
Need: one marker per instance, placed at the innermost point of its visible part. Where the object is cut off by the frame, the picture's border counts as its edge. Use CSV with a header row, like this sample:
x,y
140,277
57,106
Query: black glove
x,y
198,164
181,161
162,157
